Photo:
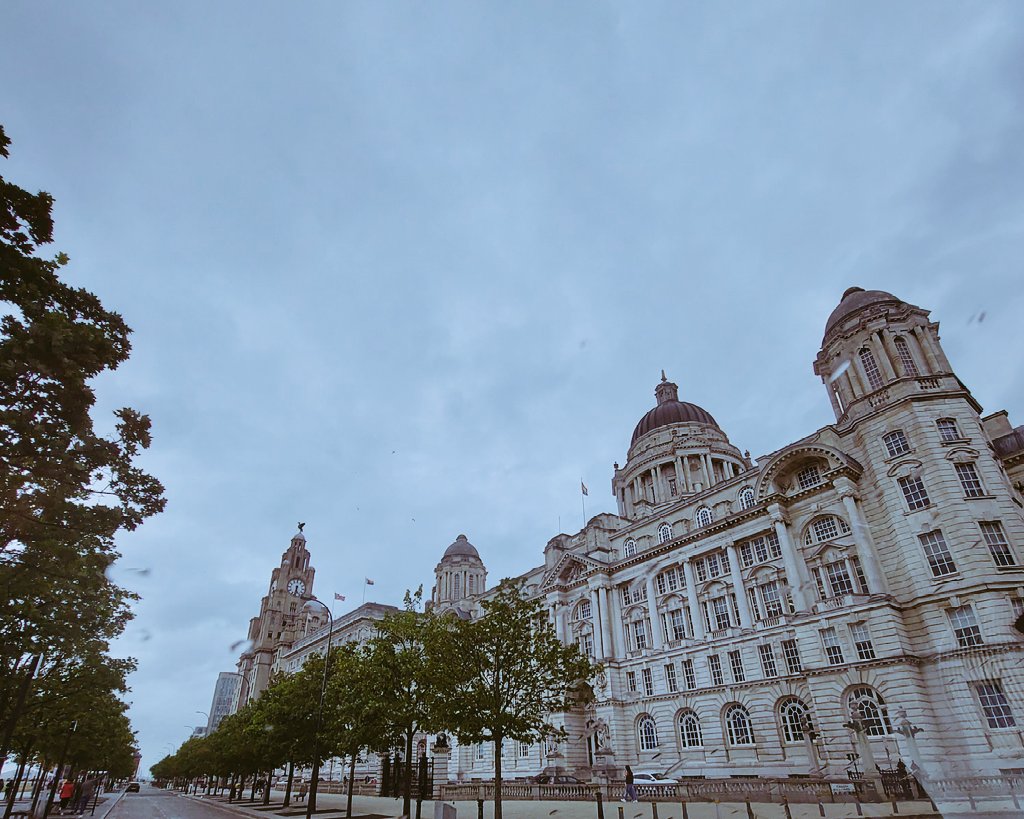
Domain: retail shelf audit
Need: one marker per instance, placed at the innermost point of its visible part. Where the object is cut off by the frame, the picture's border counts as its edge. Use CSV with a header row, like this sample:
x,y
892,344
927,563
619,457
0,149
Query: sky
x,y
408,270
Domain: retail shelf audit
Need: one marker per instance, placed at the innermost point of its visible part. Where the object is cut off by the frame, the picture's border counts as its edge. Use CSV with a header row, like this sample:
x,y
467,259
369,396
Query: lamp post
x,y
311,801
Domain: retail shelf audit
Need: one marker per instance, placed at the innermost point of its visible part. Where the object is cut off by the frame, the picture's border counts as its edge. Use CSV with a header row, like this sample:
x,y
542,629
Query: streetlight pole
x,y
311,802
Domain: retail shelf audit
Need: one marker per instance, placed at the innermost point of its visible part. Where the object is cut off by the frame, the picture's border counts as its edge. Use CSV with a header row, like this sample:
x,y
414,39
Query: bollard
x,y
654,810
419,807
785,807
600,804
480,808
895,807
750,810
621,809
686,812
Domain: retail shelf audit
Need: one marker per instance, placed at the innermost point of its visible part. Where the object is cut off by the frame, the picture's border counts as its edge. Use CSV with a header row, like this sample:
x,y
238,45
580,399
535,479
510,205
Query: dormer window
x,y
665,533
808,477
629,548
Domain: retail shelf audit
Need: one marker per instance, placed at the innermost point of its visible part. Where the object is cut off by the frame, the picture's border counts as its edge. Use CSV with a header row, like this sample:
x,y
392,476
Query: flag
x,y
583,488
340,597
369,582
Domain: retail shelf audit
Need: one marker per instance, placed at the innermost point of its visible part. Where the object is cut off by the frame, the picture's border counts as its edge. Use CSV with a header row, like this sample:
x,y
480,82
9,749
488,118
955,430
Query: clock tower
x,y
282,619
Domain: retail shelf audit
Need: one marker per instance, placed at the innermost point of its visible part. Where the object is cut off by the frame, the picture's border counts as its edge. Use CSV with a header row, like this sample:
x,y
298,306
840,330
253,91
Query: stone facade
x,y
844,601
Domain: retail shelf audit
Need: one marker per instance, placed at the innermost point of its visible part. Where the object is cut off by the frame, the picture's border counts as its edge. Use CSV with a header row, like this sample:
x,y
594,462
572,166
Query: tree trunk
x,y
13,793
497,777
288,787
407,784
19,704
266,789
37,791
351,782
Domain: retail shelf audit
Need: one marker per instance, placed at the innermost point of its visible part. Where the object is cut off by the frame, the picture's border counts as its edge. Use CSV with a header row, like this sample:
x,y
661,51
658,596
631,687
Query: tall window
x,y
791,653
586,644
937,552
998,545
715,665
640,634
583,610
524,750
833,648
629,547
647,733
969,480
906,359
768,665
648,678
948,430
631,681
737,725
689,730
747,498
664,533
994,704
670,678
471,585
719,613
736,666
808,476
771,601
862,641
839,579
867,360
896,443
914,492
673,621
668,581
689,675
965,626
457,586
867,705
703,517
794,716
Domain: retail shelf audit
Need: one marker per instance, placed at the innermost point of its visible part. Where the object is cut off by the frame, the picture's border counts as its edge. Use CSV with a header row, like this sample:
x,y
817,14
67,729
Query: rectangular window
x,y
937,552
752,602
746,555
914,493
672,486
871,369
994,704
774,547
948,430
839,579
648,679
674,581
480,751
760,549
819,583
670,678
586,644
660,583
770,598
689,674
631,681
640,634
896,443
858,570
969,480
736,666
720,613
715,567
675,625
862,641
768,665
808,476
524,750
906,359
965,626
791,653
833,648
998,545
700,569
715,665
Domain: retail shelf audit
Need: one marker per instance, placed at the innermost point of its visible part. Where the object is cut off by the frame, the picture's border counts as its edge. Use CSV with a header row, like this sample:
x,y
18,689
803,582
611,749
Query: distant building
x,y
851,594
225,696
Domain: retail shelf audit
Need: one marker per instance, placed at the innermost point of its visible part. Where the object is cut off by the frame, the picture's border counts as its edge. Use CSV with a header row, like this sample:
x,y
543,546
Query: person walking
x,y
67,790
85,795
630,795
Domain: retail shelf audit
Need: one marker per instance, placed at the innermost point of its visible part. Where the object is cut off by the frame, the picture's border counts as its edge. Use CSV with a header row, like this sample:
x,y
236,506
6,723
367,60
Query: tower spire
x,y
666,391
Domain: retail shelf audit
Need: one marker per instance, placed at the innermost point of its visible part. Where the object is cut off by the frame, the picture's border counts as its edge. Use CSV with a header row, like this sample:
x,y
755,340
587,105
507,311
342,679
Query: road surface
x,y
154,803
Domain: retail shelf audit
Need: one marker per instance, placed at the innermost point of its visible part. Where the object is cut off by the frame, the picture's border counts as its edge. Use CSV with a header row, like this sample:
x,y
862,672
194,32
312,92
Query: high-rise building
x,y
225,698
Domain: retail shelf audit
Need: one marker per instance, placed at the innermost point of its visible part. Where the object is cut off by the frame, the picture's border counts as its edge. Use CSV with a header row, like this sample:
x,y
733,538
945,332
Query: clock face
x,y
296,587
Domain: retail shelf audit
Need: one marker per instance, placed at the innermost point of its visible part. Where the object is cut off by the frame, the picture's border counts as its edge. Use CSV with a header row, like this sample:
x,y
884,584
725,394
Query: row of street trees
x,y
66,490
502,676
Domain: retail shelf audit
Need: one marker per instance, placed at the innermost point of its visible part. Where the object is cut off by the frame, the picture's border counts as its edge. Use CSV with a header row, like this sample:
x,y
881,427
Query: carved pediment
x,y
571,568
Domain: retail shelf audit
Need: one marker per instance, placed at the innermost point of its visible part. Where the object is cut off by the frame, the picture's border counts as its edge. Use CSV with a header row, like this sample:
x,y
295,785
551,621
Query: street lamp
x,y
311,801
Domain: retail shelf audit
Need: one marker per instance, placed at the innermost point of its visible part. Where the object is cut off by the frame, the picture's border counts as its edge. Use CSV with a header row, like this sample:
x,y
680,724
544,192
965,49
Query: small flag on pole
x,y
340,597
369,582
583,488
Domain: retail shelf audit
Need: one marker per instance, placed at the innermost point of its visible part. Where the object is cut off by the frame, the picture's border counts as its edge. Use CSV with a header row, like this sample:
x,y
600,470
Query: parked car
x,y
133,787
652,778
555,779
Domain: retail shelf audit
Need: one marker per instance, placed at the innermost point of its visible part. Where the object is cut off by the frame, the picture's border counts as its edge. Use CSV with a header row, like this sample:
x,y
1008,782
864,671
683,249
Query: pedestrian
x,y
630,795
85,795
303,790
67,790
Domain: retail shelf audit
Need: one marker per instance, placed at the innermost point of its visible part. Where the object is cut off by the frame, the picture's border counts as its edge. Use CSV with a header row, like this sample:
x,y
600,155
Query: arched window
x,y
747,498
703,517
665,533
737,725
825,528
629,548
867,360
689,730
647,733
583,610
867,705
795,719
906,359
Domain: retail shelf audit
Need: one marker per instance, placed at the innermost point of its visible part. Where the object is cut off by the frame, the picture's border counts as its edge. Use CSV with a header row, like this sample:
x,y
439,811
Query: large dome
x,y
671,410
857,298
461,547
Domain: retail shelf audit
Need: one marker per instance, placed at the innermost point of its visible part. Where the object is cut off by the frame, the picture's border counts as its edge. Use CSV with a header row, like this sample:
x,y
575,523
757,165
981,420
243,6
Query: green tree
x,y
506,674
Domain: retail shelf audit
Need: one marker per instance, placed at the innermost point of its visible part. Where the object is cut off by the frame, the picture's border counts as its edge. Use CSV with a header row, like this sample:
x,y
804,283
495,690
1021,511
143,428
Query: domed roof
x,y
854,299
461,547
670,410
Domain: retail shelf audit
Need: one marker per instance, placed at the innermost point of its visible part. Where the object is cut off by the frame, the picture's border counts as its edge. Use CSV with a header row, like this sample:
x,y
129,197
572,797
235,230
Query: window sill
x,y
955,442
979,497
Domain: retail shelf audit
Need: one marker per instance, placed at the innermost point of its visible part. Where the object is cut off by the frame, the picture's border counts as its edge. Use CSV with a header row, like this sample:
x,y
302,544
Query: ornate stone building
x,y
853,593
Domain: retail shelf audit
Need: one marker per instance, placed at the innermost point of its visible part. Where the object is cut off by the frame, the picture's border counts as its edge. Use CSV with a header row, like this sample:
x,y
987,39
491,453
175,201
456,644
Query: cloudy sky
x,y
405,270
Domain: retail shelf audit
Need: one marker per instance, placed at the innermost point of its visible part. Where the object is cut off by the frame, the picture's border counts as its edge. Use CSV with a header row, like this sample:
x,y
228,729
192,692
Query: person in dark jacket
x,y
630,795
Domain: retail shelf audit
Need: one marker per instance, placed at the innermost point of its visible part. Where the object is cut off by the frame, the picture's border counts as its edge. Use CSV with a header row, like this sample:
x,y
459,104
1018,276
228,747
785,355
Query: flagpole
x,y
583,500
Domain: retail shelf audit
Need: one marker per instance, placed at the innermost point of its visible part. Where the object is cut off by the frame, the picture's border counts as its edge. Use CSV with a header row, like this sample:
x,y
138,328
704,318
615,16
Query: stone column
x,y
686,474
595,616
618,633
606,623
866,550
652,613
890,350
924,363
794,577
691,600
680,477
742,604
660,495
888,372
707,470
